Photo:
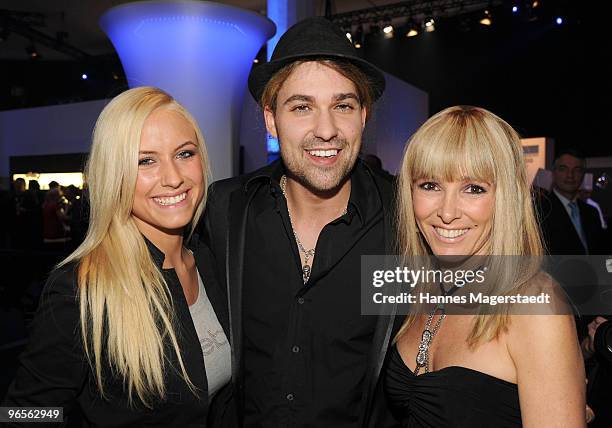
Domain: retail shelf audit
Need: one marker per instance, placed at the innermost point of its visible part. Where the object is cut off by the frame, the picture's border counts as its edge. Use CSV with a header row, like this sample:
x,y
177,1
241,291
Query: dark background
x,y
544,79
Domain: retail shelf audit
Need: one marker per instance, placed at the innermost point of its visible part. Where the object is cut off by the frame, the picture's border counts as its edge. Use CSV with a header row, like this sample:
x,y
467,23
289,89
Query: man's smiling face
x,y
318,122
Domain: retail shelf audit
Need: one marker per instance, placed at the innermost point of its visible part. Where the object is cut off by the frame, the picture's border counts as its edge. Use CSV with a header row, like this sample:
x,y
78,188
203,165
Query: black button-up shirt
x,y
306,346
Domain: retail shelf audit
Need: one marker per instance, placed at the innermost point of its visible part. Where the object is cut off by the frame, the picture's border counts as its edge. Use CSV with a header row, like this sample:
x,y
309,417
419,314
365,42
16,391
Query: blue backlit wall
x,y
201,53
400,111
285,13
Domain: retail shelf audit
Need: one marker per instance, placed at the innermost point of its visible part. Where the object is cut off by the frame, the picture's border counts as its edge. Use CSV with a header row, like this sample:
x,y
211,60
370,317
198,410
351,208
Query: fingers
x,y
590,415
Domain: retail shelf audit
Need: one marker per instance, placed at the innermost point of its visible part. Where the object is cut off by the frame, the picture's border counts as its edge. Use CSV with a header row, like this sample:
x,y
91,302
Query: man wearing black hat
x,y
288,239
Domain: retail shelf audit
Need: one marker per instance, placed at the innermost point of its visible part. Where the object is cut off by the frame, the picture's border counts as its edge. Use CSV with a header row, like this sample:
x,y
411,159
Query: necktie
x,y
575,215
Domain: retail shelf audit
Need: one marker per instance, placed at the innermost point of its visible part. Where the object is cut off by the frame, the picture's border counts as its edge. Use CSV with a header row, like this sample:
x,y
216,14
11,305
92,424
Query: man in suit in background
x,y
569,226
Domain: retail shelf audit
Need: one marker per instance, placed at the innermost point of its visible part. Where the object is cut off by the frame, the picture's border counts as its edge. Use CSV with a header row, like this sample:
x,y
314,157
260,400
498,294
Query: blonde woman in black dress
x,y
463,191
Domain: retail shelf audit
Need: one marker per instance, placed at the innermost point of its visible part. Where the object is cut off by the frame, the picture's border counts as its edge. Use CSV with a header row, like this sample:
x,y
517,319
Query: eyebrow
x,y
309,99
346,96
298,97
151,152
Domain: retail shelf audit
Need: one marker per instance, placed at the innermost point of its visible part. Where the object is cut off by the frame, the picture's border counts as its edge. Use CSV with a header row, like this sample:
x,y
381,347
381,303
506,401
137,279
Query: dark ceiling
x,y
545,79
68,42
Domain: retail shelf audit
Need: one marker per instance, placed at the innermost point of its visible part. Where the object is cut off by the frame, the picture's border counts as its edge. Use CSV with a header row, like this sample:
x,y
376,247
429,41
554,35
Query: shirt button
x,y
290,397
301,300
295,349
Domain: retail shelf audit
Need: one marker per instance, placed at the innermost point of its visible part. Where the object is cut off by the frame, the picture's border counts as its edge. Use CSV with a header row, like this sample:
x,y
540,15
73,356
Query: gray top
x,y
215,346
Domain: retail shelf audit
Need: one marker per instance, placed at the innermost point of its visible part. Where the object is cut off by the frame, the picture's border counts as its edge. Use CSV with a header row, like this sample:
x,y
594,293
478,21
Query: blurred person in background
x,y
18,220
55,219
569,226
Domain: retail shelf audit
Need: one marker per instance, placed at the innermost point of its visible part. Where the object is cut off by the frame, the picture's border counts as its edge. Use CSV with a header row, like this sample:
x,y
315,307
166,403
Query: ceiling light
x,y
32,52
388,31
412,32
486,19
430,25
359,37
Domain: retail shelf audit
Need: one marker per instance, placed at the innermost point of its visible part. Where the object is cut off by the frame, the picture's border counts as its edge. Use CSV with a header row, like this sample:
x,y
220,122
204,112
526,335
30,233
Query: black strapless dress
x,y
454,396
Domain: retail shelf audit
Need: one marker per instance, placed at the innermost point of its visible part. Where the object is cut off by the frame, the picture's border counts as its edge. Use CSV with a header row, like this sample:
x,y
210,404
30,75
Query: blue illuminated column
x,y
285,13
201,53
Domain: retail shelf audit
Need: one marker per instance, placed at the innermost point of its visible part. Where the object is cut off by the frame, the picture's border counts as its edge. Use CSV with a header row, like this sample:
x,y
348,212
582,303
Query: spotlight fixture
x,y
255,61
413,29
32,52
535,4
359,37
559,20
388,31
348,36
84,76
515,9
486,19
430,25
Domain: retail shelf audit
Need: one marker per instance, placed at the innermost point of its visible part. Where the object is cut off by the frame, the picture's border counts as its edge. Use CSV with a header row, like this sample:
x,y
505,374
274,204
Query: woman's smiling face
x,y
455,217
170,182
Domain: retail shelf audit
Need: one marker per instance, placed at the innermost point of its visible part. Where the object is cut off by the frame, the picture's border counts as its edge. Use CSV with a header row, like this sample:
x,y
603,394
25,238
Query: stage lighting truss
x,y
423,12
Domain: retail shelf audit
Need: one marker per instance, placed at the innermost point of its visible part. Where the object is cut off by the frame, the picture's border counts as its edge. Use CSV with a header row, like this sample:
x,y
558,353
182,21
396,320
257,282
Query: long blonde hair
x,y
126,310
470,142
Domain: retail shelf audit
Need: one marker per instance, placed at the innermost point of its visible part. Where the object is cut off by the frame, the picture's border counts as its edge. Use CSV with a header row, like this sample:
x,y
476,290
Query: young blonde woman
x,y
463,191
132,326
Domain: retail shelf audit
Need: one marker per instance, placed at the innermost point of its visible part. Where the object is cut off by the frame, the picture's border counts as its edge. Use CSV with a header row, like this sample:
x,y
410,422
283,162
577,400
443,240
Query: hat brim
x,y
261,74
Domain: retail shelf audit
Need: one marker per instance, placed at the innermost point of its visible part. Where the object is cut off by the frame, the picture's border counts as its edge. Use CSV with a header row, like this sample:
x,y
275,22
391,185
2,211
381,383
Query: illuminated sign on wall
x,y
63,178
538,154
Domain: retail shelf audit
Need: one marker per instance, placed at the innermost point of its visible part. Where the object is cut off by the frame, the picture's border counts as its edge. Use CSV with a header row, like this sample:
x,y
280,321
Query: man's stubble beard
x,y
319,180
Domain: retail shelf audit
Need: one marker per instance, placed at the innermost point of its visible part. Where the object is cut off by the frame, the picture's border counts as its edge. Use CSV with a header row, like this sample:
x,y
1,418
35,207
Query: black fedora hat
x,y
314,37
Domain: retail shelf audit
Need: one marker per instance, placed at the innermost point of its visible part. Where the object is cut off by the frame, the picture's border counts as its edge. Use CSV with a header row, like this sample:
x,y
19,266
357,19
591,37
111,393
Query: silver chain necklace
x,y
306,268
422,358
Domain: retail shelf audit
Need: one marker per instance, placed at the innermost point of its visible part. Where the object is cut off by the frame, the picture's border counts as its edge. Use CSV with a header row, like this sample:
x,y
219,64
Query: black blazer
x,y
558,231
224,230
54,371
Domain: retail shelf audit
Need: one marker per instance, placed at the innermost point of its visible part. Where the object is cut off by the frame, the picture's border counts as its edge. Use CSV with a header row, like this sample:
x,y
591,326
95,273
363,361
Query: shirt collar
x,y
565,201
158,256
273,171
364,200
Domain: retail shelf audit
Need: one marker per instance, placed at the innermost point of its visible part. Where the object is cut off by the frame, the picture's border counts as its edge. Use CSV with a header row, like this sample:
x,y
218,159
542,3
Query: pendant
x,y
423,354
305,273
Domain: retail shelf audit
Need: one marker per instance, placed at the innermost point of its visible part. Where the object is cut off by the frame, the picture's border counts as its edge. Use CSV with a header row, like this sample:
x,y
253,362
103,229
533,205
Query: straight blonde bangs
x,y
453,151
